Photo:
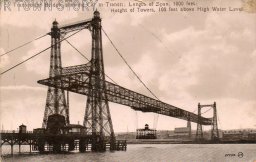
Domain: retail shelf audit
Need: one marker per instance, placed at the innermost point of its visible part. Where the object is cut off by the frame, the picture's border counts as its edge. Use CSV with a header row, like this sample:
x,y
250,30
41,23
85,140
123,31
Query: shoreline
x,y
171,141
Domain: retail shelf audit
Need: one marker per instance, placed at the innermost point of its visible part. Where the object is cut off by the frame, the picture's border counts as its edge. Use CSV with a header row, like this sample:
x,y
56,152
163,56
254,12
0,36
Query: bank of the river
x,y
176,141
144,152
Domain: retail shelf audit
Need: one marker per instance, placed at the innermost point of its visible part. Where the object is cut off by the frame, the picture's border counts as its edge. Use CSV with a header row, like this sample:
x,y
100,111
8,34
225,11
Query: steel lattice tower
x,y
55,101
199,132
189,126
215,132
97,117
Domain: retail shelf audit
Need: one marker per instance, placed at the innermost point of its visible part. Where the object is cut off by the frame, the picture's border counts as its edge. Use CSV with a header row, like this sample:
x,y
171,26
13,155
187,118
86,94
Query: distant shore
x,y
174,141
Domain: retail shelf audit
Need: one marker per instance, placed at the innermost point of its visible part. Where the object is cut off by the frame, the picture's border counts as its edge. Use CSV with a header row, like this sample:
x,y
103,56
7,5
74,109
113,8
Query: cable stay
x,y
219,122
156,116
23,45
134,118
38,53
88,59
129,66
203,112
157,39
77,50
206,111
155,123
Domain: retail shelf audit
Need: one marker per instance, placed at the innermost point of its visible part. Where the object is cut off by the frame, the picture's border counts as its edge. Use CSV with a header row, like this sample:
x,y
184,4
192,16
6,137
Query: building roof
x,y
145,129
96,11
22,125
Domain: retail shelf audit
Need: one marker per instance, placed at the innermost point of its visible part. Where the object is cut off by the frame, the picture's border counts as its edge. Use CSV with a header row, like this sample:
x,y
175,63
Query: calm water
x,y
145,153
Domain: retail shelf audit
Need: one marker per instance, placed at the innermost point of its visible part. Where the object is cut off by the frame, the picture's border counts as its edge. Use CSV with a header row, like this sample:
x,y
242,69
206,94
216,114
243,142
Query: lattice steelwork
x,y
189,126
97,117
55,101
199,131
214,131
76,79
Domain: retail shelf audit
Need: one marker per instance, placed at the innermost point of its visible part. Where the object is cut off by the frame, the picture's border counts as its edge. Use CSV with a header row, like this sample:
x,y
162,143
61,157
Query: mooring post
x,y
30,146
11,149
82,147
12,145
125,145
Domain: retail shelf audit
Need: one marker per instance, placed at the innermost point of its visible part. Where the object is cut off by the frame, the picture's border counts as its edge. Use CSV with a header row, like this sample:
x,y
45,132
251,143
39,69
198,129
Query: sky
x,y
184,58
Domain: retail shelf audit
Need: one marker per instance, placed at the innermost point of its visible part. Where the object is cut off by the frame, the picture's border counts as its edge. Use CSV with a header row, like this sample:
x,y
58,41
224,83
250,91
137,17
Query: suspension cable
x,y
219,122
206,111
23,45
77,50
155,120
88,60
157,39
155,123
38,53
129,66
136,119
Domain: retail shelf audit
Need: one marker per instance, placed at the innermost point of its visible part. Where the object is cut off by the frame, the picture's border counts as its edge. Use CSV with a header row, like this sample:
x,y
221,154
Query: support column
x,y
41,143
82,146
12,145
97,115
30,146
199,131
71,145
56,145
215,131
189,126
11,149
55,100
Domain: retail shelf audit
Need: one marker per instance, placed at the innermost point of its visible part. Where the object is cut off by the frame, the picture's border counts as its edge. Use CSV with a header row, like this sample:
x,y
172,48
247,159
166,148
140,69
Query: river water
x,y
145,153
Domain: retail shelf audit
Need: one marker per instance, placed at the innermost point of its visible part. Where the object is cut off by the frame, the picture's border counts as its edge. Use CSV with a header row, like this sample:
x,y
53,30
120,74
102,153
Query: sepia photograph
x,y
128,80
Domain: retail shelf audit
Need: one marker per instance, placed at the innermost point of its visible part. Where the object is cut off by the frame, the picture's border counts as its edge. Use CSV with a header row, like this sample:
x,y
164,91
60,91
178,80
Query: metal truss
x,y
76,79
84,68
97,117
86,24
55,101
199,131
214,131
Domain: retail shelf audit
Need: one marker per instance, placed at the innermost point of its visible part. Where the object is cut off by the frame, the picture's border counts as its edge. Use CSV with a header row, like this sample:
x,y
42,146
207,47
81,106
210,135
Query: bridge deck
x,y
30,138
76,79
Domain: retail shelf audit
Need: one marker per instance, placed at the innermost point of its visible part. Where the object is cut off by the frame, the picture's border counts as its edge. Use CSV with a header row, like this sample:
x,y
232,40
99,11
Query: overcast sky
x,y
183,57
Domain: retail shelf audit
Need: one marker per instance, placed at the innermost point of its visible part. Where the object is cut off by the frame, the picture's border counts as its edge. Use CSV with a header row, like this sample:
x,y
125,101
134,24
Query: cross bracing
x,y
76,79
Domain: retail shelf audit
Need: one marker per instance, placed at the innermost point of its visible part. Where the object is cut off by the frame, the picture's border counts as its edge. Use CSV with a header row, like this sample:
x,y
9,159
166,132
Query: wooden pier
x,y
55,143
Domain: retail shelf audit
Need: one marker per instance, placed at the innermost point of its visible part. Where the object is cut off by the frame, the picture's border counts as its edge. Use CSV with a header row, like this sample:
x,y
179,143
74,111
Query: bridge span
x,y
76,79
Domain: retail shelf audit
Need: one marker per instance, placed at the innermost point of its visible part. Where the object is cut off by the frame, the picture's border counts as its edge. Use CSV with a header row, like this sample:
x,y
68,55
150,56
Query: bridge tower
x,y
97,117
214,131
189,126
199,131
55,101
